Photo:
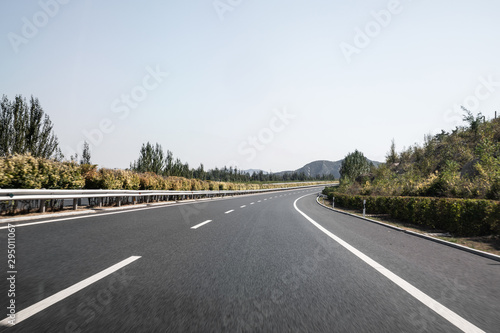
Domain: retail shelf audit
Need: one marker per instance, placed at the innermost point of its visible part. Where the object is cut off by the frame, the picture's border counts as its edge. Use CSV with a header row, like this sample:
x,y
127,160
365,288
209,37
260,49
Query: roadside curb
x,y
437,240
37,217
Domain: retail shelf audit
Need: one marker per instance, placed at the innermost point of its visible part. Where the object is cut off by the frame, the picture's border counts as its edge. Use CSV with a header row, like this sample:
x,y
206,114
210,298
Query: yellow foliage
x,y
26,171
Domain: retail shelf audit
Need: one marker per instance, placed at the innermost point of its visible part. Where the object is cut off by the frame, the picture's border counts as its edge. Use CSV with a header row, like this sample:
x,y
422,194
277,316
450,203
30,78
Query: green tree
x,y
200,172
169,163
354,165
26,129
151,159
474,122
85,154
392,155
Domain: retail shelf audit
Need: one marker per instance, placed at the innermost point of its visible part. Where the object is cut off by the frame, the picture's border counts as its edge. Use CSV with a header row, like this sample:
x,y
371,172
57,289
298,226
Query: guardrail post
x,y
42,206
119,201
364,207
75,204
134,200
333,202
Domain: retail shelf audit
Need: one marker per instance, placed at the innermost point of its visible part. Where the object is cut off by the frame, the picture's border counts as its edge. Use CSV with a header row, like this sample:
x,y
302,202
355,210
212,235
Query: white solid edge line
x,y
434,305
43,304
199,225
229,211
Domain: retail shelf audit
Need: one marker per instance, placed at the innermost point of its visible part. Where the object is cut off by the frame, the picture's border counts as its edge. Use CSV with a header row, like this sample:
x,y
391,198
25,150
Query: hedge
x,y
461,217
28,172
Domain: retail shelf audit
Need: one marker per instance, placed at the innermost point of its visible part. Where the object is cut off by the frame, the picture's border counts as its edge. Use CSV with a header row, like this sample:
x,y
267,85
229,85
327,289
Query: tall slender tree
x,y
151,159
26,129
392,155
85,154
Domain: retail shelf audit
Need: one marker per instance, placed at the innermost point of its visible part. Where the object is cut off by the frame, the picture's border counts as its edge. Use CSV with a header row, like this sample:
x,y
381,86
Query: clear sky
x,y
257,84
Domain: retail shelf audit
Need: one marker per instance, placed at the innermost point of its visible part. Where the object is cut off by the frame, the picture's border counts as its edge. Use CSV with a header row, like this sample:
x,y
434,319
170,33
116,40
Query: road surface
x,y
275,262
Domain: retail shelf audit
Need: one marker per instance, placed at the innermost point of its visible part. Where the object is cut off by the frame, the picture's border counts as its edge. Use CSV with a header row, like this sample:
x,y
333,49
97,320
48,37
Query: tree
x,y
392,155
200,172
151,159
26,129
177,168
85,154
354,165
474,122
169,164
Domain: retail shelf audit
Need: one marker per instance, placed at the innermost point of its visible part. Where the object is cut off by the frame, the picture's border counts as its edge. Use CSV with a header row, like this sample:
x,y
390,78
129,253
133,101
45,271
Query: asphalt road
x,y
259,265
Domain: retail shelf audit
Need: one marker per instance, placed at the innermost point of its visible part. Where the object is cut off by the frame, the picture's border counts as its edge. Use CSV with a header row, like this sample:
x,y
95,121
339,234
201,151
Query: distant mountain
x,y
320,168
252,171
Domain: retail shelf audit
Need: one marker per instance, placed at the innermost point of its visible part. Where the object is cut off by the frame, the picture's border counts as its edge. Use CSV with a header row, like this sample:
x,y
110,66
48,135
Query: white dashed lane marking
x,y
199,225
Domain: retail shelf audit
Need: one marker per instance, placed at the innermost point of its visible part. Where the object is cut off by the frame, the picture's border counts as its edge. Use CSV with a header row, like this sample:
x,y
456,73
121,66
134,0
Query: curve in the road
x,y
434,305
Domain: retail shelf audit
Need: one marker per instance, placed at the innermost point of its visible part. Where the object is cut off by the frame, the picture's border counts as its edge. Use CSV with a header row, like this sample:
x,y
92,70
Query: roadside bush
x,y
69,176
149,181
130,180
462,217
28,172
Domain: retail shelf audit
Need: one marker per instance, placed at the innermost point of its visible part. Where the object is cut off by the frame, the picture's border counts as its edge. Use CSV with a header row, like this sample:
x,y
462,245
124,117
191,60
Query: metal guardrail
x,y
43,196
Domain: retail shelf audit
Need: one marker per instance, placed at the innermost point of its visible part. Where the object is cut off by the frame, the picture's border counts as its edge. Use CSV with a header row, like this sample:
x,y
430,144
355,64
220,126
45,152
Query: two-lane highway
x,y
249,263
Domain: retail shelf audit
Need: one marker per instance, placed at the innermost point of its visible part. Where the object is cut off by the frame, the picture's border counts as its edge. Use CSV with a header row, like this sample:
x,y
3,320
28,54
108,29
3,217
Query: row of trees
x,y
28,172
26,129
152,158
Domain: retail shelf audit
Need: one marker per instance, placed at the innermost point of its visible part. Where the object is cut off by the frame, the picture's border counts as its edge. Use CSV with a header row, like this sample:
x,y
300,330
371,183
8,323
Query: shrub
x,y
462,217
149,181
130,180
26,171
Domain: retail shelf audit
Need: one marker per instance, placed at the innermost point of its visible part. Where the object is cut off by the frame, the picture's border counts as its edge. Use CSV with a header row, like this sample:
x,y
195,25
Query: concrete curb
x,y
45,216
437,240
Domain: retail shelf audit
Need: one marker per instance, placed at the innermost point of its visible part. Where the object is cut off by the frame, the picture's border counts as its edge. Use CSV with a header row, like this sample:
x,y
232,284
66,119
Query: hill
x,y
252,171
321,168
464,163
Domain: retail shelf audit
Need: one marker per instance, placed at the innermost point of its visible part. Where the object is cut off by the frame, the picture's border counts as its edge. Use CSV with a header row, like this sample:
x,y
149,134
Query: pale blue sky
x,y
230,71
